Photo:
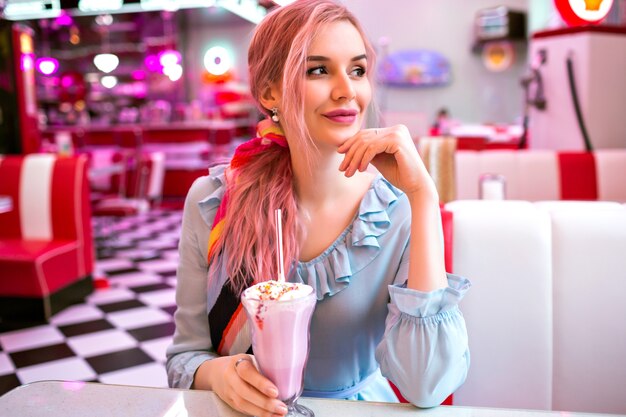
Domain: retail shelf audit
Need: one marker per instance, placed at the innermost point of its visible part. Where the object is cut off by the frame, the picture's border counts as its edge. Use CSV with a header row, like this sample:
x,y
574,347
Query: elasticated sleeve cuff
x,y
424,304
182,368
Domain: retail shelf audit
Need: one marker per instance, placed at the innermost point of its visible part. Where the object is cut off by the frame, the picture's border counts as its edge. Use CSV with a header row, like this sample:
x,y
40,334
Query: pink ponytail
x,y
276,57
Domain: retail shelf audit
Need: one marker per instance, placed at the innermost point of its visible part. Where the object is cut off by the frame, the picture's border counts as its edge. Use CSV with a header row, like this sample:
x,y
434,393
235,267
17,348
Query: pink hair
x,y
276,57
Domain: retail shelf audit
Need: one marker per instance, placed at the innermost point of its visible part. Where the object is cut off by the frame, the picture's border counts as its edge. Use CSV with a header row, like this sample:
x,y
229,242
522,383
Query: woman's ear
x,y
270,97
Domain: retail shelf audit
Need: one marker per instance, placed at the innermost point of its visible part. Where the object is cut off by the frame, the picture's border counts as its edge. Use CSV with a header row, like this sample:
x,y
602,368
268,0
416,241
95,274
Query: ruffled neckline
x,y
355,248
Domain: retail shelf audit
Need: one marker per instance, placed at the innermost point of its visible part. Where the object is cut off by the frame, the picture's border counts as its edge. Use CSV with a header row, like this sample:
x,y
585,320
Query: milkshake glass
x,y
279,315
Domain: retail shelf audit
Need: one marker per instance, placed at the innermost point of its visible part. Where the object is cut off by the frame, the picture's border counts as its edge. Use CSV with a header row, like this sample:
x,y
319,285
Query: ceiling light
x,y
217,60
174,72
64,19
47,65
106,62
109,81
104,20
169,57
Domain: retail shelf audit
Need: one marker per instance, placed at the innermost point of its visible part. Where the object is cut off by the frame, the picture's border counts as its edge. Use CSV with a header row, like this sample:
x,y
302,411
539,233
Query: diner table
x,y
479,137
73,399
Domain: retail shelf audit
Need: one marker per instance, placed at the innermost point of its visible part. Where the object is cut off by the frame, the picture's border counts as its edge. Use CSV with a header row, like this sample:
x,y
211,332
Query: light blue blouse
x,y
366,326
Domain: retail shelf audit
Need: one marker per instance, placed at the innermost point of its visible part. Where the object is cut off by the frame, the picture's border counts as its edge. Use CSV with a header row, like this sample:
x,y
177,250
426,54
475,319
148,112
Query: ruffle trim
x,y
208,205
425,304
352,251
355,248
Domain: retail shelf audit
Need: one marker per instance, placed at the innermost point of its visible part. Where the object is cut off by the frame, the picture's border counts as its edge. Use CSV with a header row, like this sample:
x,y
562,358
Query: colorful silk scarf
x,y
227,319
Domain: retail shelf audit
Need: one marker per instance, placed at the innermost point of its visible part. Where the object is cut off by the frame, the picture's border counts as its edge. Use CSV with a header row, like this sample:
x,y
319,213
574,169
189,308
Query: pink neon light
x,y
47,65
27,62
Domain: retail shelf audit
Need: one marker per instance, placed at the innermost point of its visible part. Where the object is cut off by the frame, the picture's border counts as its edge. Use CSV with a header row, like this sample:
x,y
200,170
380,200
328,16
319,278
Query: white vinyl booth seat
x,y
504,248
546,317
589,281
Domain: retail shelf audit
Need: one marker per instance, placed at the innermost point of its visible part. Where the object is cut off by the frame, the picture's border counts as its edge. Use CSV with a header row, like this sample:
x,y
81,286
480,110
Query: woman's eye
x,y
316,71
359,71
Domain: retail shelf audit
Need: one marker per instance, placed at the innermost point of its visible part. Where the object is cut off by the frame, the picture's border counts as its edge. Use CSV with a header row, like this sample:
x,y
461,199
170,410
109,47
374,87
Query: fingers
x,y
254,394
362,148
249,408
392,151
247,371
354,150
373,150
251,402
348,149
352,161
348,143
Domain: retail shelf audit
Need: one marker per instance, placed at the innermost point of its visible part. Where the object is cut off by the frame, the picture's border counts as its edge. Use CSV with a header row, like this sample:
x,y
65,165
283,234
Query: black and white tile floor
x,y
120,333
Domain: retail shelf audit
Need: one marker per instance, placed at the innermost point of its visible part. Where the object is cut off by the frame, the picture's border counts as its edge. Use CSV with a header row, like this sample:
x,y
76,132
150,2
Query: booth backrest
x,y
48,200
589,283
155,163
101,159
504,248
143,173
545,316
537,175
611,173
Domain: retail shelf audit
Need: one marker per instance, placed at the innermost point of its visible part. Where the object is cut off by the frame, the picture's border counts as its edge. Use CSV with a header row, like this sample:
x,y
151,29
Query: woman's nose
x,y
343,88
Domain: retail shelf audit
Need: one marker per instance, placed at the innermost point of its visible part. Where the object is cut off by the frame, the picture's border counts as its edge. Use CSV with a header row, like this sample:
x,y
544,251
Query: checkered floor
x,y
120,333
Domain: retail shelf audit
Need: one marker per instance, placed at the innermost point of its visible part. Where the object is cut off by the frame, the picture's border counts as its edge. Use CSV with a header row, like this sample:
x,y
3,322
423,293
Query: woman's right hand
x,y
237,381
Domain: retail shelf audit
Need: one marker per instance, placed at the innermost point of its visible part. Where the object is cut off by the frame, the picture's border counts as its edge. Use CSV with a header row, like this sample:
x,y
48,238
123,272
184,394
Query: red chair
x,y
108,172
143,187
46,245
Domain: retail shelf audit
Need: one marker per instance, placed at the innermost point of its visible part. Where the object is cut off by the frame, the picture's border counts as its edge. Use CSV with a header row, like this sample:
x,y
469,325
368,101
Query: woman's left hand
x,y
392,151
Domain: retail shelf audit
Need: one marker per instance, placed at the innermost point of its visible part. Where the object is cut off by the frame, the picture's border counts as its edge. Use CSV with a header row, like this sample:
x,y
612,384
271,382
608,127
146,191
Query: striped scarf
x,y
227,319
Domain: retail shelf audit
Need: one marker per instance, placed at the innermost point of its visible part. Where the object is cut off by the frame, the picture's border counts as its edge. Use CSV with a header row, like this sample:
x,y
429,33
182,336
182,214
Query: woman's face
x,y
337,90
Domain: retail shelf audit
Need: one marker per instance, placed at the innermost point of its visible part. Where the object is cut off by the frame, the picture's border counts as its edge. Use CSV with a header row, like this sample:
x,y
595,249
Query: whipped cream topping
x,y
276,291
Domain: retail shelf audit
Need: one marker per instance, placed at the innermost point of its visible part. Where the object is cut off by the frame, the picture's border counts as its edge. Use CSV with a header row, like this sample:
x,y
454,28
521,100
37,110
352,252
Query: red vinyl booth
x,y
545,175
142,176
46,245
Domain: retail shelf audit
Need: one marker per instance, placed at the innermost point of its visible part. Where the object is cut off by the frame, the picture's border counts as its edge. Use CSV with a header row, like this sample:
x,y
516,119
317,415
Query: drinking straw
x,y
279,244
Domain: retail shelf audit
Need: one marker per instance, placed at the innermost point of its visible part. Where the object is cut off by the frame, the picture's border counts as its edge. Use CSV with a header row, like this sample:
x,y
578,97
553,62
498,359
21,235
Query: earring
x,y
275,118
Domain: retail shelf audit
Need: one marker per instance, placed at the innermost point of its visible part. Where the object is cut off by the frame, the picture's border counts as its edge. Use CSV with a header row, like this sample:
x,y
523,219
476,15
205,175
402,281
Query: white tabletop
x,y
73,399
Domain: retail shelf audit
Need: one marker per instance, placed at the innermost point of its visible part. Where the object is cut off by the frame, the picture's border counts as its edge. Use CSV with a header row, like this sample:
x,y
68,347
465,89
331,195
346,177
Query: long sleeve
x,y
424,350
192,342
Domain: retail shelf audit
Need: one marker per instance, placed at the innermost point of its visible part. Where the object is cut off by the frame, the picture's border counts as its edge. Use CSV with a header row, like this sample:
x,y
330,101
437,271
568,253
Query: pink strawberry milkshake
x,y
279,314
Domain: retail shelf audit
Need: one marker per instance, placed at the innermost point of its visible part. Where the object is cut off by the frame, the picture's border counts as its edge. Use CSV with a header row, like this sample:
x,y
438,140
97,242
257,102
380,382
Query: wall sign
x,y
498,56
583,12
415,68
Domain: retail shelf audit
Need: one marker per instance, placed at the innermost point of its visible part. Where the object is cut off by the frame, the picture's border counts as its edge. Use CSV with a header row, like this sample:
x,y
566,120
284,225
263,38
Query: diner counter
x,y
200,124
132,135
73,399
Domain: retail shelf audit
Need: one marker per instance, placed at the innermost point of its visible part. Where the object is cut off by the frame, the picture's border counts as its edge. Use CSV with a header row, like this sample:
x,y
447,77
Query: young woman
x,y
369,243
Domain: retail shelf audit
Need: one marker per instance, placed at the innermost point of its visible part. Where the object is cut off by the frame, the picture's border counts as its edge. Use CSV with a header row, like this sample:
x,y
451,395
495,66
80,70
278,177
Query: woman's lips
x,y
342,119
342,116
